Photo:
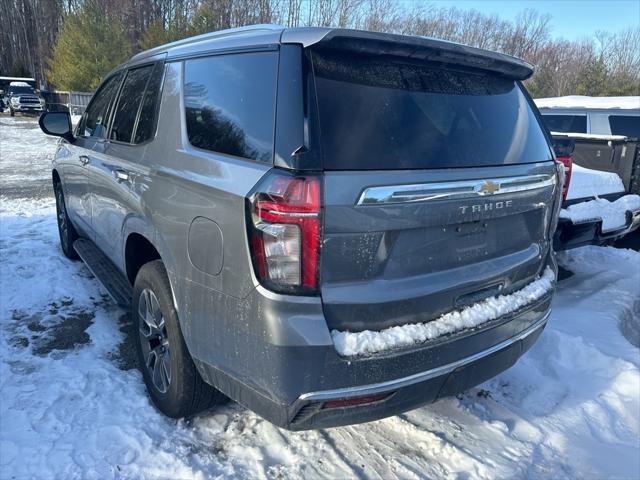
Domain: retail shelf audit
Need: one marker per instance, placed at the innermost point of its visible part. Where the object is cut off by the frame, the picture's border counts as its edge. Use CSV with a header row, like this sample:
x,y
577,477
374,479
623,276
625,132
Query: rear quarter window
x,y
385,114
230,104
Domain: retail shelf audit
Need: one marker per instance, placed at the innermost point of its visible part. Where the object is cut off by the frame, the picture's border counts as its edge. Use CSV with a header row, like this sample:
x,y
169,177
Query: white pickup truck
x,y
598,140
23,98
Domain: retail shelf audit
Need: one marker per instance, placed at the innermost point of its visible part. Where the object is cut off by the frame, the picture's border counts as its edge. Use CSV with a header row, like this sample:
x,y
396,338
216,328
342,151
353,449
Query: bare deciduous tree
x,y
609,63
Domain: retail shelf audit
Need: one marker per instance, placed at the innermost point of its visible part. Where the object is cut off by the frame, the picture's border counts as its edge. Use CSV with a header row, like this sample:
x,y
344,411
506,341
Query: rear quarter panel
x,y
184,184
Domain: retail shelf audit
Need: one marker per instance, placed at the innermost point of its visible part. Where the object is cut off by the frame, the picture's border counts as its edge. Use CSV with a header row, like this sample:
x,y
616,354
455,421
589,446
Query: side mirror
x,y
58,124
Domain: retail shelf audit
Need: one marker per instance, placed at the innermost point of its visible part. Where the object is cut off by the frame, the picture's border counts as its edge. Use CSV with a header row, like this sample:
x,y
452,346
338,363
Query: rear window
x,y
566,123
626,125
230,104
377,114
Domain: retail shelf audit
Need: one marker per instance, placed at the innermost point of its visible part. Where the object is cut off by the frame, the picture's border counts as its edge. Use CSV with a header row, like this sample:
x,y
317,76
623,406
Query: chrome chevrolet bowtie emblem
x,y
488,188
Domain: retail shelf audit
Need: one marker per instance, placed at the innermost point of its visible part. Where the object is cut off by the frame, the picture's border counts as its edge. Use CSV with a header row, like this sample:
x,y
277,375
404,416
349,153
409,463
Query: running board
x,y
105,271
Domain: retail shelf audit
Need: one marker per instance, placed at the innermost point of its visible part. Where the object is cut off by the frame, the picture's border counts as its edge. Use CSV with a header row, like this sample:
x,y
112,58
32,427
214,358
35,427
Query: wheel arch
x,y
139,249
57,177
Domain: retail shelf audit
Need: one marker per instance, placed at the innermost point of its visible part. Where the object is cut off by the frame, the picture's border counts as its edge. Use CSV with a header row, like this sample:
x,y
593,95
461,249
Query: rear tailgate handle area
x,y
478,295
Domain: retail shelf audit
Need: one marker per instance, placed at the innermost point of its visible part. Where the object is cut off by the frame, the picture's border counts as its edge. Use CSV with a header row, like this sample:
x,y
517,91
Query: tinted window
x,y
230,104
566,123
626,125
94,123
146,122
383,114
129,102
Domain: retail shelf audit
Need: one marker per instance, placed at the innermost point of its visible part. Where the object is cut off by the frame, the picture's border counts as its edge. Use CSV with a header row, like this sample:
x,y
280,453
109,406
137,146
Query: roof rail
x,y
207,36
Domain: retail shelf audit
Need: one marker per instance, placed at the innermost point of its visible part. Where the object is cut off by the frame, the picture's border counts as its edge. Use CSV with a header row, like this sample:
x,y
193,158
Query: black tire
x,y
13,114
185,392
66,230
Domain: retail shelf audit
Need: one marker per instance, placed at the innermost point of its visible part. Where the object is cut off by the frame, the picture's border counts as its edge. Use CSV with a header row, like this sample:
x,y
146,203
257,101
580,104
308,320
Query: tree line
x,y
72,44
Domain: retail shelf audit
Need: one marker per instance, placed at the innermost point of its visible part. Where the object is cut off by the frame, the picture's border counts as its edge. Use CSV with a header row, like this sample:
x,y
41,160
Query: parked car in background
x,y
601,202
4,88
23,98
311,221
606,131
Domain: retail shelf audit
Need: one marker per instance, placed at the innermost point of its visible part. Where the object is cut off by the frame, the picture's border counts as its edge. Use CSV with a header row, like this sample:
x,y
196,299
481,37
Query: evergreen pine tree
x,y
593,79
88,47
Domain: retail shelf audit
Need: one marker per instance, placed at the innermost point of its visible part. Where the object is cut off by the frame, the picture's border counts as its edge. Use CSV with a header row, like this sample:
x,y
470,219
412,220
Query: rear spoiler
x,y
413,47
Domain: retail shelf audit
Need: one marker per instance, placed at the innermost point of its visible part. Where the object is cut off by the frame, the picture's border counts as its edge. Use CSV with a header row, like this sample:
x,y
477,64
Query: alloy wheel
x,y
154,340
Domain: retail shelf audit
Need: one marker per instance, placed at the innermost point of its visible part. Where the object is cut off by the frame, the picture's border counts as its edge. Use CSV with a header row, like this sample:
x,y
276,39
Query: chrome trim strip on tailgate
x,y
382,387
423,192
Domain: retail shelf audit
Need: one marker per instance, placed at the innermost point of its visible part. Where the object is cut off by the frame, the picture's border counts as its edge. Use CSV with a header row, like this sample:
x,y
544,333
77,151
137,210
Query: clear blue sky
x,y
571,19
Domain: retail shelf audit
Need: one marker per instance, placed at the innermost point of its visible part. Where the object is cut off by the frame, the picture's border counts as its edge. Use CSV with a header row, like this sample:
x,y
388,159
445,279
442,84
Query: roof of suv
x,y
589,103
263,36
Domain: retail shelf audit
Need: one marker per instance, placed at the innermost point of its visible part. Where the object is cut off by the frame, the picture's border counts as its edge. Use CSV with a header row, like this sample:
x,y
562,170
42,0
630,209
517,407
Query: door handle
x,y
121,175
84,160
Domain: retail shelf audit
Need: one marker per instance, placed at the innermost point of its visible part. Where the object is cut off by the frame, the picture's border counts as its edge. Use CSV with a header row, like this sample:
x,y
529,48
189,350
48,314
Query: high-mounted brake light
x,y
567,161
284,230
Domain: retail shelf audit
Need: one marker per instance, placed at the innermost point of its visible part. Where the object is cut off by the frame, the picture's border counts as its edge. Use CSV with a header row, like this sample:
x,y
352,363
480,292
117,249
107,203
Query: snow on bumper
x,y
612,214
369,342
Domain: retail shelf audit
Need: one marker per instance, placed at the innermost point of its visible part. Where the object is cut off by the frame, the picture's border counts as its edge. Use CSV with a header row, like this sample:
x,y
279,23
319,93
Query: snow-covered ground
x,y
72,406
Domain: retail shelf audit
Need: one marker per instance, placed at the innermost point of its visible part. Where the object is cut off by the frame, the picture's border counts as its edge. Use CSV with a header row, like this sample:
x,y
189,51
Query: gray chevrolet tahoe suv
x,y
254,194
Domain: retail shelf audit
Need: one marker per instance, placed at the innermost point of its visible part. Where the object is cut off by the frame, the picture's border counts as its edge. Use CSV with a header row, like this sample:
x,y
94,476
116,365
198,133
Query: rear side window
x,y
626,125
382,114
566,123
230,104
147,119
94,123
129,103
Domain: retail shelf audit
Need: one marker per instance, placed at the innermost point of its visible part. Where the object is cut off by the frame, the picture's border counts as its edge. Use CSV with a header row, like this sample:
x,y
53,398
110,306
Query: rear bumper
x,y
288,379
572,235
407,393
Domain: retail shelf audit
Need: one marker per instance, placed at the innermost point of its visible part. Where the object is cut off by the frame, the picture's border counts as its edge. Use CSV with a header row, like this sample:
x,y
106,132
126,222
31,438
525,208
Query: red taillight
x,y
284,232
568,165
355,401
